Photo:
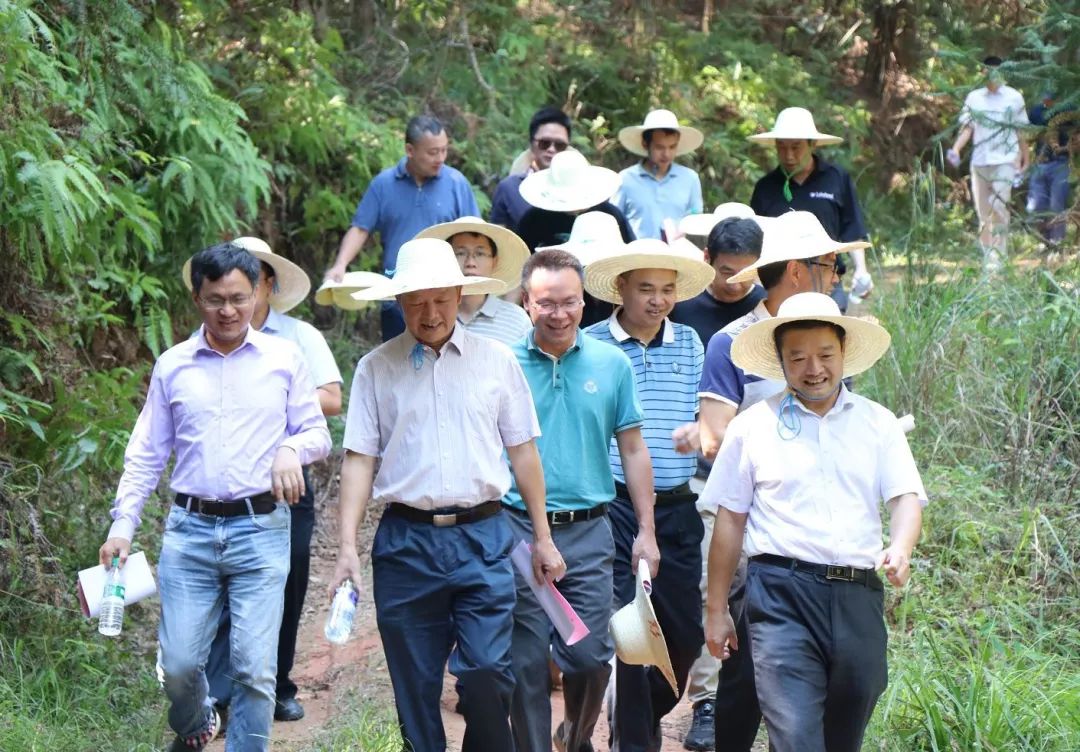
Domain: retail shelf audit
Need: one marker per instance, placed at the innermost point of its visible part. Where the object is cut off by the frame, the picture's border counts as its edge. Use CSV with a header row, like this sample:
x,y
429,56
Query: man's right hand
x,y
113,548
720,633
347,568
952,156
335,273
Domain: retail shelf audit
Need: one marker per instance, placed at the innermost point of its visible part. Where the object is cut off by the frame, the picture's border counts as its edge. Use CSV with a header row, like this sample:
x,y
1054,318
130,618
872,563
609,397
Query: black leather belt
x,y
678,495
264,503
828,571
567,516
440,518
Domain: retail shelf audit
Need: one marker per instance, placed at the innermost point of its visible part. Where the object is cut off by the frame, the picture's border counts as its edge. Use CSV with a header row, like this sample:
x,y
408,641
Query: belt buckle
x,y
836,572
202,501
444,520
562,517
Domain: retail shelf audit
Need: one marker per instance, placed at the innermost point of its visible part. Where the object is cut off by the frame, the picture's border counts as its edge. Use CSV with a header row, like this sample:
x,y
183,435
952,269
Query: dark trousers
x,y
218,671
642,694
391,320
446,592
738,715
819,657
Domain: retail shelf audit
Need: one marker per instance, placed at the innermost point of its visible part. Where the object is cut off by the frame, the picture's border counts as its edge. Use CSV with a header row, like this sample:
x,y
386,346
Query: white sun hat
x,y
795,124
794,236
428,264
523,162
689,138
754,349
291,283
339,294
570,184
593,235
702,224
636,631
511,253
692,274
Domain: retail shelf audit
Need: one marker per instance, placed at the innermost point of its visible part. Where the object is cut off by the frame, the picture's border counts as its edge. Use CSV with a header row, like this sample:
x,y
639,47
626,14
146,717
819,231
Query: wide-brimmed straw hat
x,y
636,631
291,283
794,236
689,138
702,224
339,294
754,349
795,124
511,253
593,236
570,184
428,264
692,274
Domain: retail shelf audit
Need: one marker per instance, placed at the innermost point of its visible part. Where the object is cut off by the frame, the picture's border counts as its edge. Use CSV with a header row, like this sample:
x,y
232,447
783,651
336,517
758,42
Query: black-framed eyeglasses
x,y
478,255
831,267
551,143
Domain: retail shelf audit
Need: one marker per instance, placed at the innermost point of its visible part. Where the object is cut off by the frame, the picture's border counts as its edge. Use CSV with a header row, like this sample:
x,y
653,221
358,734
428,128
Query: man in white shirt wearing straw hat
x,y
645,281
798,486
797,255
431,413
803,181
483,249
656,189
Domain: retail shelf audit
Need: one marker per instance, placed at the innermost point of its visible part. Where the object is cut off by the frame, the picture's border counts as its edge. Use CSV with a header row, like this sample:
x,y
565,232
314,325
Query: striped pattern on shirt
x,y
500,320
666,375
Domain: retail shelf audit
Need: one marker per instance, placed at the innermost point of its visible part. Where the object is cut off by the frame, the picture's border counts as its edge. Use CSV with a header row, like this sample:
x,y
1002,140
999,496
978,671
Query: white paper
x,y
138,584
568,624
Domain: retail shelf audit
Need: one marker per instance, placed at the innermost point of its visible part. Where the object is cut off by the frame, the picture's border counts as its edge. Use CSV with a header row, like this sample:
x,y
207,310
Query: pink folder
x,y
569,625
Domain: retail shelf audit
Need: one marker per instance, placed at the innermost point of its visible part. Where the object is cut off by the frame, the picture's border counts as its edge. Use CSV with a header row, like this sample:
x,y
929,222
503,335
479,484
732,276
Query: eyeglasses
x,y
476,255
548,307
216,304
550,143
831,267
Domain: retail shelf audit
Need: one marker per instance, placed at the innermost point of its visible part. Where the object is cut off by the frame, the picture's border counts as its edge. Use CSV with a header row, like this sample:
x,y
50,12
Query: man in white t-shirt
x,y
991,118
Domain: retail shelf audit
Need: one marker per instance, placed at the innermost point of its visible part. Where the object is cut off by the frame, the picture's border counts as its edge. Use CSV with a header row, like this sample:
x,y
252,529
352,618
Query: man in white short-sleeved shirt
x,y
803,474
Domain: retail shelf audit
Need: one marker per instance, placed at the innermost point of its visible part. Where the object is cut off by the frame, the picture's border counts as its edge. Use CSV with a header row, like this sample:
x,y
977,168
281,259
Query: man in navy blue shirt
x,y
549,134
1049,188
416,193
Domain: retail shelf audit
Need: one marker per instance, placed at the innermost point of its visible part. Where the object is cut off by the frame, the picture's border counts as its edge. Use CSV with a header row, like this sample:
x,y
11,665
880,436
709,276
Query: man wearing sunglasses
x,y
549,134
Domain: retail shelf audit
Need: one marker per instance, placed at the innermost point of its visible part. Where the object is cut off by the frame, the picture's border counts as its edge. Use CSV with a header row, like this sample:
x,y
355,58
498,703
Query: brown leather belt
x,y
441,518
264,503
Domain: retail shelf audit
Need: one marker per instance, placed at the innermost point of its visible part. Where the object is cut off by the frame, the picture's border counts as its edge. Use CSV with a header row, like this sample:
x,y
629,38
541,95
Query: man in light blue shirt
x,y
656,189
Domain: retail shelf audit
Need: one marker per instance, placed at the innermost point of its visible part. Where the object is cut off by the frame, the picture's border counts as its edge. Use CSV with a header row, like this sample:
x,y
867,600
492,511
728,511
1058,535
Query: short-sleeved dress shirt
x,y
647,200
499,319
995,118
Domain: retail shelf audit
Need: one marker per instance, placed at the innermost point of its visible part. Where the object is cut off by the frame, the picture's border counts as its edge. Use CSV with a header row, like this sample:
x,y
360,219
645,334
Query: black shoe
x,y
702,735
288,710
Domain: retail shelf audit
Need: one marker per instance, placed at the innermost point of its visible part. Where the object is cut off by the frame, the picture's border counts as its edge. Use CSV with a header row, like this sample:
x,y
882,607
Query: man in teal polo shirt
x,y
583,390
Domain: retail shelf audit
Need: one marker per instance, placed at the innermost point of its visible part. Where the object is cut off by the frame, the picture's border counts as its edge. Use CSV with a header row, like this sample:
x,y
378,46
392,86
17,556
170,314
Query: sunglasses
x,y
550,143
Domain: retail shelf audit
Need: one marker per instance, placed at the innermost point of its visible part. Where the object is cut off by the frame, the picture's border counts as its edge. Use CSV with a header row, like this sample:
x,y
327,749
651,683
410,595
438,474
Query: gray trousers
x,y
588,550
819,657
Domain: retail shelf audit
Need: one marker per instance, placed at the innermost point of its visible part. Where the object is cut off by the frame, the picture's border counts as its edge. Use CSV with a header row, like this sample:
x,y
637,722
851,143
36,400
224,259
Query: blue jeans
x,y
205,563
1048,192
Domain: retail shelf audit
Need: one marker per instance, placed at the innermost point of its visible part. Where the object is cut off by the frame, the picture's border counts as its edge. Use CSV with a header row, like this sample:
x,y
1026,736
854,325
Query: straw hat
x,y
340,293
636,632
291,283
692,274
794,236
510,250
689,138
796,124
594,235
428,264
570,184
702,224
754,350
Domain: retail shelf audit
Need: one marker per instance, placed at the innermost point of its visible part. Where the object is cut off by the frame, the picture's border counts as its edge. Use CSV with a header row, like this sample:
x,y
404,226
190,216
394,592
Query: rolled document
x,y
569,625
907,422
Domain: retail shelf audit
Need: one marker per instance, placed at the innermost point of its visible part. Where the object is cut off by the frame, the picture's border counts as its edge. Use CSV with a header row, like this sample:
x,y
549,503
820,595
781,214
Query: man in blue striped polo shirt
x,y
645,282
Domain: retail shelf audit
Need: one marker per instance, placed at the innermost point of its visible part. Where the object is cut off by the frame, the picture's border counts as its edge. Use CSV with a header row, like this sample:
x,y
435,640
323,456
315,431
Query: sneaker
x,y
181,744
702,735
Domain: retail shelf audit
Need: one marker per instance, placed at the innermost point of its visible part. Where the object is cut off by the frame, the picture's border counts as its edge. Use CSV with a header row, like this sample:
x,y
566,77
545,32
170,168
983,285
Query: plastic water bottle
x,y
111,613
342,610
861,286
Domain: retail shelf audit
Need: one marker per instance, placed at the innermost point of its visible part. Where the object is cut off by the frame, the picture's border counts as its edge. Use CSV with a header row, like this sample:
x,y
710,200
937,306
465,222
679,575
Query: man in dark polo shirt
x,y
549,134
804,181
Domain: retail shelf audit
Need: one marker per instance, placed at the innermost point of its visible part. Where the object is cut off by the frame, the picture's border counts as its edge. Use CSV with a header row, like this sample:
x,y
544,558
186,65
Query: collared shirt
x,y
583,399
722,380
995,118
439,421
317,356
499,319
828,193
225,416
507,205
817,496
397,208
666,373
647,200
707,315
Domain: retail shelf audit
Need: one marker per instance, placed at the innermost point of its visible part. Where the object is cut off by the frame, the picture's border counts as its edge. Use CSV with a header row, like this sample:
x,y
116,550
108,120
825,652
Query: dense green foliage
x,y
132,133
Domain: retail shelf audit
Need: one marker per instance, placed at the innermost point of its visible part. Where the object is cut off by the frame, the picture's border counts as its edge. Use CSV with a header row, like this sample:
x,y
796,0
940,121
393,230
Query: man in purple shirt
x,y
240,410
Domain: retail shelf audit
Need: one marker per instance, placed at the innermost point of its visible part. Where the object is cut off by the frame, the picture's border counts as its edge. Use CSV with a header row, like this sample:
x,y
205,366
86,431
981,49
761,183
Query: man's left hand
x,y
287,476
687,438
645,548
547,562
896,564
